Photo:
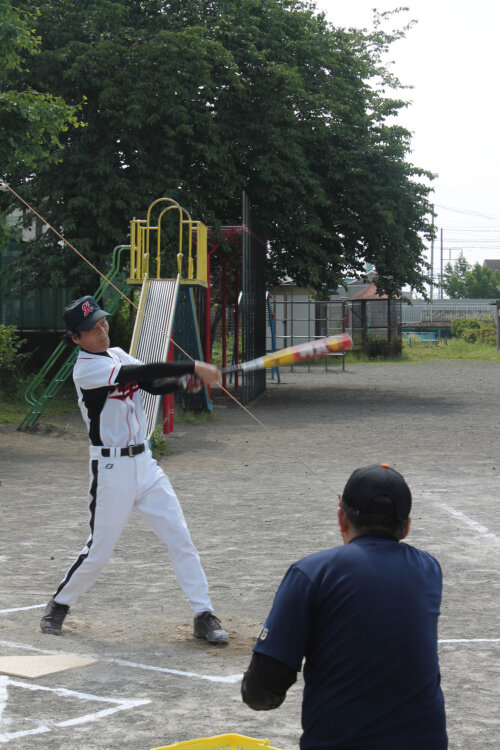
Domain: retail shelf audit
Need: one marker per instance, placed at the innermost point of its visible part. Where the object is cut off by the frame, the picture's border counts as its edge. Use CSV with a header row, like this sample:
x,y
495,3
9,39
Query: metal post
x,y
432,258
389,323
308,303
236,322
496,315
224,321
441,277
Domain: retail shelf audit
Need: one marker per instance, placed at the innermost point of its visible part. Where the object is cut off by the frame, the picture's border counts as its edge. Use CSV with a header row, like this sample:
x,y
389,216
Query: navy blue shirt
x,y
364,616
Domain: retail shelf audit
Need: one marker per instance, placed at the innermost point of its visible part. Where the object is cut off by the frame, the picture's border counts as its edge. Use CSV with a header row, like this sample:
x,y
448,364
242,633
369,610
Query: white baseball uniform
x,y
116,421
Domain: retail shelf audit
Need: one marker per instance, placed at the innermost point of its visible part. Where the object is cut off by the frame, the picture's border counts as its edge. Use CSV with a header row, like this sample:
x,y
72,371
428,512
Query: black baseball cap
x,y
82,314
367,487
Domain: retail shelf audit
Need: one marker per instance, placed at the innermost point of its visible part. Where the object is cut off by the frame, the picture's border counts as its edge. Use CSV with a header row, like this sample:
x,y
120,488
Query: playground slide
x,y
153,332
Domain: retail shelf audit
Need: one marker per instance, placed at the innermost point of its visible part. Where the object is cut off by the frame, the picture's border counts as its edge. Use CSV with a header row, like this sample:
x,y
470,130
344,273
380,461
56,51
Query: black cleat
x,y
53,618
208,626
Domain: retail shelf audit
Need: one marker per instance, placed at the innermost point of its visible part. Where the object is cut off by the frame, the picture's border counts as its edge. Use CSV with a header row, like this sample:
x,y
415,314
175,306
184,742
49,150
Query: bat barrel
x,y
296,354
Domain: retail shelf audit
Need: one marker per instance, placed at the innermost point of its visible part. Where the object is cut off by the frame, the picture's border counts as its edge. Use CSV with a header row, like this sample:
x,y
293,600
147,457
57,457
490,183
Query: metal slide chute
x,y
152,334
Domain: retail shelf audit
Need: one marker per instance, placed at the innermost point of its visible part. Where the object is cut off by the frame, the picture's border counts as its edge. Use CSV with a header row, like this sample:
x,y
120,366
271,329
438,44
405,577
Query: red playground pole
x,y
168,402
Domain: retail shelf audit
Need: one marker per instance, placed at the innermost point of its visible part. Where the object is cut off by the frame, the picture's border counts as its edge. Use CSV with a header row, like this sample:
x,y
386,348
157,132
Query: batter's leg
x,y
160,506
111,499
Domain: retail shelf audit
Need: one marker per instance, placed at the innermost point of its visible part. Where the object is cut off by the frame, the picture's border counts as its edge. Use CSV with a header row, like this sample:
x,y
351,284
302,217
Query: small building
x,y
359,310
493,264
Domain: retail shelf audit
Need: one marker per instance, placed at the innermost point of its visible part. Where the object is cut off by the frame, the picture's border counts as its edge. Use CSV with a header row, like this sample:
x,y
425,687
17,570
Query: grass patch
x,y
452,349
193,417
416,351
159,446
14,407
362,358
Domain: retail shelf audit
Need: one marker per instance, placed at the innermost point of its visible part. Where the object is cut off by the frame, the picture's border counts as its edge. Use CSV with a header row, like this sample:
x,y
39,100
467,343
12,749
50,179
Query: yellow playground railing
x,y
191,261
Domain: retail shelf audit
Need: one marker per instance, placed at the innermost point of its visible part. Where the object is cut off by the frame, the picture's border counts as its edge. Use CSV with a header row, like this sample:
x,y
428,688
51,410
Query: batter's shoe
x,y
53,618
208,626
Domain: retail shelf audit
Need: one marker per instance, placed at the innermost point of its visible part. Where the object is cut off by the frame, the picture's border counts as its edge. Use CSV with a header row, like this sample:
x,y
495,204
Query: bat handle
x,y
231,368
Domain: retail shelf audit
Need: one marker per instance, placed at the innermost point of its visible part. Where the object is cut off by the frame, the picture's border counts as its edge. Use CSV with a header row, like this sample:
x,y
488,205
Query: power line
x,y
458,228
469,212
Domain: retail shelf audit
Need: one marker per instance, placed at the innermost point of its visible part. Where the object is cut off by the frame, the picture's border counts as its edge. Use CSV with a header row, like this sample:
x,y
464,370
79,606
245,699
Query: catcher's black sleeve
x,y
153,371
265,683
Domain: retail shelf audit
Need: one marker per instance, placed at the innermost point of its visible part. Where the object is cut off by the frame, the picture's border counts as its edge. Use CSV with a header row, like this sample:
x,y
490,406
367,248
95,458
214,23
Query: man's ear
x,y
75,337
406,529
342,519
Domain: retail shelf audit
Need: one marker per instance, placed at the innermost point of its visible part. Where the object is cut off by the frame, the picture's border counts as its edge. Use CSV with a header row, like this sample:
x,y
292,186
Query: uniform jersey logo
x,y
87,308
122,392
263,634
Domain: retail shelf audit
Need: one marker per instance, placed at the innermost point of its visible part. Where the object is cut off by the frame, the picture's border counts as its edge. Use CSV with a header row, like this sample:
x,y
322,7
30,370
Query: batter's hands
x,y
190,384
207,373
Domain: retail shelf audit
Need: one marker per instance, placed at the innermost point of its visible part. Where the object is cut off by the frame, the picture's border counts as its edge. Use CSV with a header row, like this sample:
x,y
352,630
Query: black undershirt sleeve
x,y
265,683
159,386
154,371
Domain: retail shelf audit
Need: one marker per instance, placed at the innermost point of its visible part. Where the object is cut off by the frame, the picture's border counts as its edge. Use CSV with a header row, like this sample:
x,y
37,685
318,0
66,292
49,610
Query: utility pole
x,y
432,258
441,276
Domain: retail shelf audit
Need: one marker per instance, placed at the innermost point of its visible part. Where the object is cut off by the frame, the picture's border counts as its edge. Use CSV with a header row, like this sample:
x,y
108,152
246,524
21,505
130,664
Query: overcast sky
x,y
451,59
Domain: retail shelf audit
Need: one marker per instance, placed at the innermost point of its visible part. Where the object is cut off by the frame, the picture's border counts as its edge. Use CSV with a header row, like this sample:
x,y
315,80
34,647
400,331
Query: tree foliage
x,y
199,101
464,281
11,359
31,122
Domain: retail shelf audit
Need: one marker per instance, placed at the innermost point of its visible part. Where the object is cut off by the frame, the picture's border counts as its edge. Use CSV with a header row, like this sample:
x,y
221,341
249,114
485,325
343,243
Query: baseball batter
x,y
123,473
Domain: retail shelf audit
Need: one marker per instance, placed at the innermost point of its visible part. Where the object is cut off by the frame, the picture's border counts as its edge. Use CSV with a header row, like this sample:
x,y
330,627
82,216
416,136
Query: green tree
x,y
199,101
31,122
481,282
454,278
463,281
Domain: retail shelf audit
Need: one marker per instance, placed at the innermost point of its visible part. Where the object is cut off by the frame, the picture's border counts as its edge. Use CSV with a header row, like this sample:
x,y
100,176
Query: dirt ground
x,y
256,498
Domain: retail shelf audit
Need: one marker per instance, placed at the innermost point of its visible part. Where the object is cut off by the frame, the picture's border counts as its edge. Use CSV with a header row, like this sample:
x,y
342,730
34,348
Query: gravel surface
x,y
257,496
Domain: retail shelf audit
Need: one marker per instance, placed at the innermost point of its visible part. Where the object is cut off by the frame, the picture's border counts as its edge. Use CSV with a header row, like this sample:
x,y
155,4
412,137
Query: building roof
x,y
366,291
493,264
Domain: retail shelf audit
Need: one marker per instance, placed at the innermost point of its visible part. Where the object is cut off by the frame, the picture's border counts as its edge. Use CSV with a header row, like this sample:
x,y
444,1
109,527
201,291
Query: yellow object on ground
x,y
221,742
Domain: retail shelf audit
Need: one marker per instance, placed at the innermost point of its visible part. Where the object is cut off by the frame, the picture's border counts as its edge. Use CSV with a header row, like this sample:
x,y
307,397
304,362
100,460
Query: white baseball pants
x,y
116,486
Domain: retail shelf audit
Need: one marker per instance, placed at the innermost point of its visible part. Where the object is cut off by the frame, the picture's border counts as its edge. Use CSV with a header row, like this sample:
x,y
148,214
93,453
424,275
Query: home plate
x,y
37,666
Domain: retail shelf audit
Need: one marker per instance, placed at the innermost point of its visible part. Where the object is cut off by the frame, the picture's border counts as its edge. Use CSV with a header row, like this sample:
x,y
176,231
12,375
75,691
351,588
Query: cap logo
x,y
87,308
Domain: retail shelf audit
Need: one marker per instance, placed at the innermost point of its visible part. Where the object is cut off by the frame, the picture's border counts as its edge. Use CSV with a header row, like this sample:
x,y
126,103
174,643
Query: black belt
x,y
131,450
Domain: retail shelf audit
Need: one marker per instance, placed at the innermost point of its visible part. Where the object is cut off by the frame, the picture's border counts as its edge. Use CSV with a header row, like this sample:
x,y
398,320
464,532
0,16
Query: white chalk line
x,y
120,705
478,527
229,679
467,520
469,640
48,726
21,609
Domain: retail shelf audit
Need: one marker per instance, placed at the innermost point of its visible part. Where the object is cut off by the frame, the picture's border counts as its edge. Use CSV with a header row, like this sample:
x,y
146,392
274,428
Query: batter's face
x,y
96,340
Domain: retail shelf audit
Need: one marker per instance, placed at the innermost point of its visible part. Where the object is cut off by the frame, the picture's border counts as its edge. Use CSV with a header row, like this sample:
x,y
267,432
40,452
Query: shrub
x,y
487,334
461,326
377,347
11,360
472,330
